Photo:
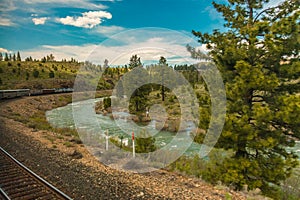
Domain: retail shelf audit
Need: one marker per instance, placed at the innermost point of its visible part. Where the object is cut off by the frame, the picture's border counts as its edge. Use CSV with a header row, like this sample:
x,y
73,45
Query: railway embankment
x,y
59,157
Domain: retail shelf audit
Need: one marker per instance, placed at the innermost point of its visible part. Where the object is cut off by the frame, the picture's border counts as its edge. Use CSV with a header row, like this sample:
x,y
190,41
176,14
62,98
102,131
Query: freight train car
x,y
8,94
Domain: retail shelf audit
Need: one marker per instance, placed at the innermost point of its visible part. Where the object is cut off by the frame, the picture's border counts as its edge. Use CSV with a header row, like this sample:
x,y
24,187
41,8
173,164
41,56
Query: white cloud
x,y
6,22
213,13
68,3
273,3
149,44
61,52
7,5
39,21
117,55
2,50
202,48
88,20
109,30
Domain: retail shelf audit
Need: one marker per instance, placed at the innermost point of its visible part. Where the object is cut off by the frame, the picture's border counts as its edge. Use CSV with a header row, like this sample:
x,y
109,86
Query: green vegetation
x,y
37,75
138,95
259,60
48,73
145,143
68,144
107,103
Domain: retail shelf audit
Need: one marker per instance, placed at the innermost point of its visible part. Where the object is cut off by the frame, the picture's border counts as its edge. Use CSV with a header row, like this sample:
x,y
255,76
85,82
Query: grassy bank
x,y
30,111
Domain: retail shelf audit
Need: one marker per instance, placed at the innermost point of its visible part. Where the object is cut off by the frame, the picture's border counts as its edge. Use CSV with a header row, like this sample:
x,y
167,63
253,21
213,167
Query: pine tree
x,y
51,74
19,56
107,103
163,63
6,57
138,76
135,61
35,73
14,57
1,56
258,55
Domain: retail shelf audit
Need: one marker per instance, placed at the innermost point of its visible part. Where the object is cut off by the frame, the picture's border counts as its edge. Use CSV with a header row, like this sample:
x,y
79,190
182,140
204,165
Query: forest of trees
x,y
10,57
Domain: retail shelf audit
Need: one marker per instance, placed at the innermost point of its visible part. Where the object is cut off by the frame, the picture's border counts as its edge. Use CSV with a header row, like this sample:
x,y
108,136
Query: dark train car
x,y
48,91
8,94
64,90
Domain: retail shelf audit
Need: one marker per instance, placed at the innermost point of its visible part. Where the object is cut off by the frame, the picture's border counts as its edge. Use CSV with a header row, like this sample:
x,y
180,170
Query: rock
x,y
75,141
146,119
140,194
245,188
256,191
75,154
109,110
160,125
135,118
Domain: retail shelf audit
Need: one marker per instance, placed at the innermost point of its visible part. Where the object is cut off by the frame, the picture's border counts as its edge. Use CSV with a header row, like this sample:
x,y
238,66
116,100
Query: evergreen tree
x,y
44,59
51,74
19,56
27,76
163,64
50,58
258,55
135,61
14,57
6,57
35,73
107,102
138,76
125,69
1,56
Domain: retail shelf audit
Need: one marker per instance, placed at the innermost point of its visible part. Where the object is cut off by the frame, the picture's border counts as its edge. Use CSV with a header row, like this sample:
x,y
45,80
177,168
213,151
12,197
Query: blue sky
x,y
73,28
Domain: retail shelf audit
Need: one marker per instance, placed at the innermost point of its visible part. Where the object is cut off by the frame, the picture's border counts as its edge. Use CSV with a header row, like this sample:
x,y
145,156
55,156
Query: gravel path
x,y
86,178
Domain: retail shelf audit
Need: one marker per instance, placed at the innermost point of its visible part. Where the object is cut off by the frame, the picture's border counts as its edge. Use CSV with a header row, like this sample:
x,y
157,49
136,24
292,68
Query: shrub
x,y
51,74
35,73
107,102
145,143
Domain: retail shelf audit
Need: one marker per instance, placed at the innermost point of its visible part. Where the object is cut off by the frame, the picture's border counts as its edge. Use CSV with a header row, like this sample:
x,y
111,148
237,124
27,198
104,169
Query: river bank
x,y
61,158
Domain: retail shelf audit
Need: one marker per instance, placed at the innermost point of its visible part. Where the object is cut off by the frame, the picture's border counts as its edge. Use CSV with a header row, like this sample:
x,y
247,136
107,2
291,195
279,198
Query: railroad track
x,y
19,182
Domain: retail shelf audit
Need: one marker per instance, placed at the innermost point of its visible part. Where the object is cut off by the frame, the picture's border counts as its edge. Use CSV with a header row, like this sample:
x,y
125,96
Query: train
x,y
9,94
